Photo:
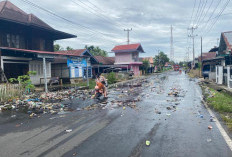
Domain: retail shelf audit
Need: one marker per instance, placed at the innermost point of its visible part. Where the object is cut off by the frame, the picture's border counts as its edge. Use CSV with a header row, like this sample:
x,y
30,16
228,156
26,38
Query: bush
x,y
111,78
25,81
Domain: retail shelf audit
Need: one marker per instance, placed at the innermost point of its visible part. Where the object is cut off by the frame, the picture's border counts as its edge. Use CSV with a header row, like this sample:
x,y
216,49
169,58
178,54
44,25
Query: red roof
x,y
64,53
77,52
206,56
130,47
12,12
105,60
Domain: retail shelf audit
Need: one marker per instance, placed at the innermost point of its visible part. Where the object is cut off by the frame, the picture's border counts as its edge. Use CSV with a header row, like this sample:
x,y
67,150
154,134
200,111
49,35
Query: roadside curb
x,y
219,126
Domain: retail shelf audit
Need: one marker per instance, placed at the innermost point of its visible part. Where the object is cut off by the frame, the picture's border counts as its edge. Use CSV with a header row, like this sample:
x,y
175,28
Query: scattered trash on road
x,y
148,143
209,140
210,127
68,130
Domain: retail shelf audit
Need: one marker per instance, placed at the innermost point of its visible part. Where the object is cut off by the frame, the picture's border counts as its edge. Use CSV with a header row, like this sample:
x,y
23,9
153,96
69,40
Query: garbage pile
x,y
177,92
45,102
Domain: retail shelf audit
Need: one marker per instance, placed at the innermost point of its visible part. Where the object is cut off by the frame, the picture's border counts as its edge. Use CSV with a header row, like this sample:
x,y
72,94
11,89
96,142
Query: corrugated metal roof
x,y
228,36
105,60
77,52
64,53
11,12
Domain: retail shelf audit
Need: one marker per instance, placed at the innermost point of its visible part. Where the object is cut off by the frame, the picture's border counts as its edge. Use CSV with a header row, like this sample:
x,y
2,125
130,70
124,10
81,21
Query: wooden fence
x,y
8,91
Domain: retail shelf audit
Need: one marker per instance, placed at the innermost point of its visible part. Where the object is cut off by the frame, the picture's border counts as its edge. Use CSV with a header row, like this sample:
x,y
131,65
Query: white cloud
x,y
150,20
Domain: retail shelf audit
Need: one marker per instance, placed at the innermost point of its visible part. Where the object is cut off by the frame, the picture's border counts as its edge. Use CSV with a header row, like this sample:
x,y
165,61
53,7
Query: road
x,y
172,125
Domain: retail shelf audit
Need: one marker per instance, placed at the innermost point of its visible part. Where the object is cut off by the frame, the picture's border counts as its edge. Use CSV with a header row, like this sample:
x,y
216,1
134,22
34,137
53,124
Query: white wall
x,y
38,67
212,76
60,70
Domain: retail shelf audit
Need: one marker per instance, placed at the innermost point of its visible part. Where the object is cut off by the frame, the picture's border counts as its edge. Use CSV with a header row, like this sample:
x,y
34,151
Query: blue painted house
x,y
75,66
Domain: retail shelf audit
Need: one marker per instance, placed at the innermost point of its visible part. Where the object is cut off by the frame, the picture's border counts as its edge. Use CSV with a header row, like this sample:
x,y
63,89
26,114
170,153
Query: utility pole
x,y
128,35
193,36
201,58
171,46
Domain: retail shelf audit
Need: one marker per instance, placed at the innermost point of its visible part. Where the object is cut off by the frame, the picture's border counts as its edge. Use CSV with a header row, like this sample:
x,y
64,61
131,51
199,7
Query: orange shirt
x,y
100,85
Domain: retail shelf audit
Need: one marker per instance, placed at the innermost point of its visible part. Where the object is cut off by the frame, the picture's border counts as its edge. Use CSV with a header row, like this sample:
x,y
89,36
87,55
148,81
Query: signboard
x,y
45,56
76,62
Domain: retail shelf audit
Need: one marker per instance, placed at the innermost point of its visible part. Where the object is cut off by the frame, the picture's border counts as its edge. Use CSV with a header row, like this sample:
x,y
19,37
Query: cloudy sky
x,y
102,22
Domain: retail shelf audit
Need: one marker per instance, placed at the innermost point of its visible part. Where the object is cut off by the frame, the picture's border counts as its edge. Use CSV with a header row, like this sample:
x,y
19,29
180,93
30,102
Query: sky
x,y
102,23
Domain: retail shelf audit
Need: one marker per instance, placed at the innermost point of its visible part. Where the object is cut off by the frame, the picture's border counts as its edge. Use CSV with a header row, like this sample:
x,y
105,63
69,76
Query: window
x,y
13,40
42,44
213,68
135,57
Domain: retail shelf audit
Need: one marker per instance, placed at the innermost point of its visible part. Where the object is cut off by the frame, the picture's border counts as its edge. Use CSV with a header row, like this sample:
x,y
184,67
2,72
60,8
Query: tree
x,y
57,47
160,60
145,66
69,48
96,51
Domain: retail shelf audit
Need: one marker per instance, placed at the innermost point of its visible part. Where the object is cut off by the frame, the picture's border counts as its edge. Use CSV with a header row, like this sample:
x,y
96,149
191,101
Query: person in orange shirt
x,y
99,88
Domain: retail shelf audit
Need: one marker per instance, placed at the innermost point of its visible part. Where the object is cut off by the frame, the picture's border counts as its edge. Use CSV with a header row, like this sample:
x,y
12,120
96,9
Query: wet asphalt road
x,y
114,132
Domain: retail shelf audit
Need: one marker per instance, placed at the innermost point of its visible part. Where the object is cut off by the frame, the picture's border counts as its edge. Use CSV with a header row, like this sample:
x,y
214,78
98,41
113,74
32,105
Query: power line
x,y
196,15
220,13
95,10
206,12
67,20
193,11
209,19
202,13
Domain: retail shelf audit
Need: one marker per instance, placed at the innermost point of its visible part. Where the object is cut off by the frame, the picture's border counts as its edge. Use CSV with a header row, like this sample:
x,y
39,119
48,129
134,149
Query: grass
x,y
222,103
92,83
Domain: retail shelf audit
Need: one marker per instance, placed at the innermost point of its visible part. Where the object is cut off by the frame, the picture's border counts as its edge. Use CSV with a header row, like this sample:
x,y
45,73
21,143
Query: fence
x,y
8,91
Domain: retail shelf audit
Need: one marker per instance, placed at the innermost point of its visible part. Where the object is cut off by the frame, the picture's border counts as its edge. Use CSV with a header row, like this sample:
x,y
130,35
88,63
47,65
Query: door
x,y
219,74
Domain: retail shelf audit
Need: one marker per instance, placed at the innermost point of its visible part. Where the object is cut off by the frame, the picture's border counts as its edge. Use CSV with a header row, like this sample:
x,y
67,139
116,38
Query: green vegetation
x,y
221,102
96,51
111,78
145,66
24,81
58,47
92,83
160,60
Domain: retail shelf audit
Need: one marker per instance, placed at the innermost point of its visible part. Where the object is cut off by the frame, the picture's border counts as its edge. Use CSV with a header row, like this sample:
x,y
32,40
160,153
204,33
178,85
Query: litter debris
x,y
158,112
168,114
211,119
209,140
201,116
17,125
148,143
124,108
210,127
33,115
13,116
68,130
168,108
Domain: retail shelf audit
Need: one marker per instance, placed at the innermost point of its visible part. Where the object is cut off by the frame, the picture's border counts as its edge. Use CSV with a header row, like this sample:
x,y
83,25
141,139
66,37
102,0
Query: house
x,y
151,63
224,70
128,55
221,65
74,66
102,64
208,64
26,44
